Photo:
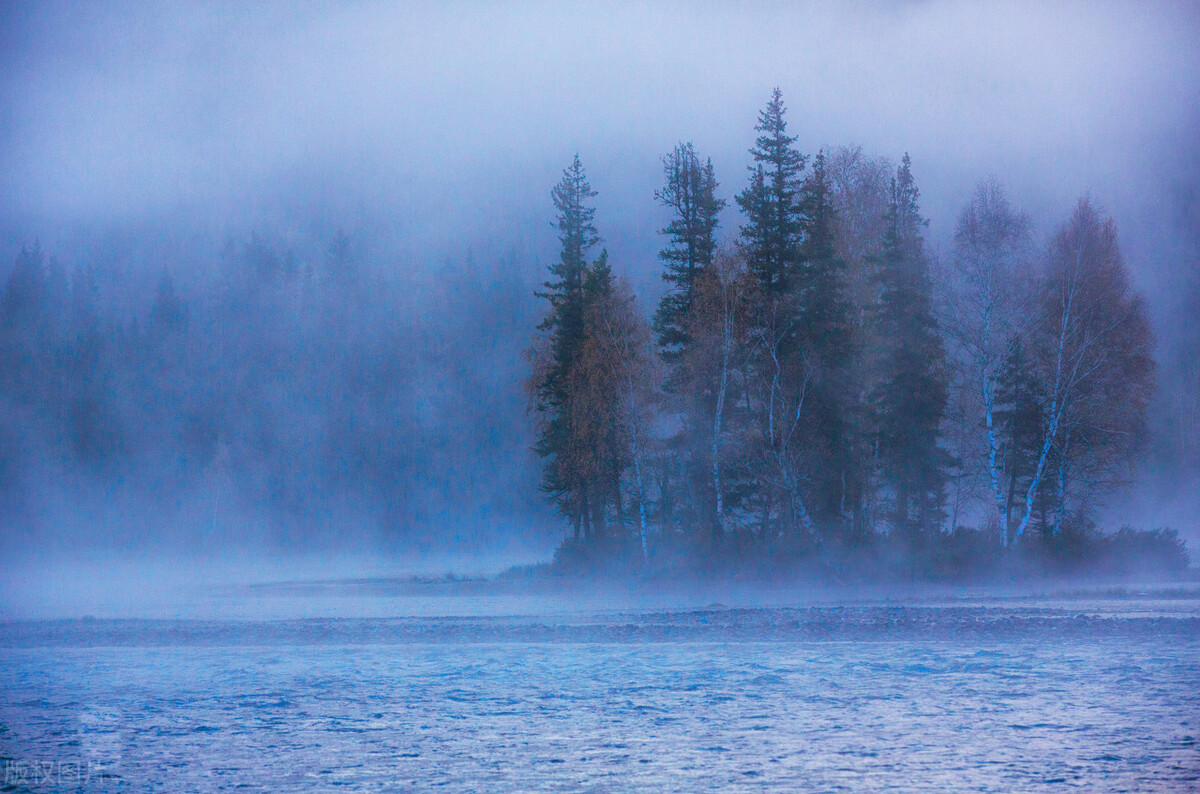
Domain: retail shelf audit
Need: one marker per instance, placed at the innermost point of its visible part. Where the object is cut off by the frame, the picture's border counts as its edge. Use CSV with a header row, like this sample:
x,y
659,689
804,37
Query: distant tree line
x,y
818,382
295,400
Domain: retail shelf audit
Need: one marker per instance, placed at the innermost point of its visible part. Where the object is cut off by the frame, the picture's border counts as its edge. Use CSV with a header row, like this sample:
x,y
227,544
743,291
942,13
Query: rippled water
x,y
998,697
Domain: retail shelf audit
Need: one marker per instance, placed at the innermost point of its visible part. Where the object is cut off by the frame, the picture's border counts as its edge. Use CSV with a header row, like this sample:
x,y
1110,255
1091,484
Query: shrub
x,y
1145,551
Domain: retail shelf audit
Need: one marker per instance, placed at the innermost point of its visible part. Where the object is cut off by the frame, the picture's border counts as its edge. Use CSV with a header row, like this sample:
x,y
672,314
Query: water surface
x,y
968,695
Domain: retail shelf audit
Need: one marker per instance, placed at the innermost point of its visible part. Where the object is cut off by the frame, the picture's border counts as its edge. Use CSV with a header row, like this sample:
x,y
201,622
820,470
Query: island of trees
x,y
815,389
815,393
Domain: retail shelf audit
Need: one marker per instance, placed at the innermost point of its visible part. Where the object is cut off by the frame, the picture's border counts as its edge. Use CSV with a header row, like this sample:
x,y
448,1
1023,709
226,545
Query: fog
x,y
347,438
141,139
429,118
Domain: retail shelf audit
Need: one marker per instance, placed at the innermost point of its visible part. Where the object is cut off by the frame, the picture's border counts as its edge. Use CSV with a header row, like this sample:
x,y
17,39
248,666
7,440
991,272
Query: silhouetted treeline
x,y
817,384
285,399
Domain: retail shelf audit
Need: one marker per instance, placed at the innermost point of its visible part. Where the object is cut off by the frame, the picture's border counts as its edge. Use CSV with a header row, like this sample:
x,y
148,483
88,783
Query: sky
x,y
432,129
448,115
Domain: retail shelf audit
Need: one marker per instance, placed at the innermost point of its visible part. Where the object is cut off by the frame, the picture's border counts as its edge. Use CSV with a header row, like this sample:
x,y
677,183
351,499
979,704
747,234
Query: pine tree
x,y
577,235
910,400
1020,423
564,328
341,269
688,256
827,338
777,373
771,202
167,313
690,193
25,290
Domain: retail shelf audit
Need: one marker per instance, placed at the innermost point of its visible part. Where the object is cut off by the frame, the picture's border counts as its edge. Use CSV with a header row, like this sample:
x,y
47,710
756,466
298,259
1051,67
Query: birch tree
x,y
1095,348
709,372
722,316
619,347
988,296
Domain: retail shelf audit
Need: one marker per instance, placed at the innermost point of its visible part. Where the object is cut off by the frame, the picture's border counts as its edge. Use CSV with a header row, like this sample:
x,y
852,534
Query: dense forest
x,y
276,399
816,386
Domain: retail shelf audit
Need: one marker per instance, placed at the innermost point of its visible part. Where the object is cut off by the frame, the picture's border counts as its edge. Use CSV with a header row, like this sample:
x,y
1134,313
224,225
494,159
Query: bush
x,y
1145,551
966,554
597,556
1079,549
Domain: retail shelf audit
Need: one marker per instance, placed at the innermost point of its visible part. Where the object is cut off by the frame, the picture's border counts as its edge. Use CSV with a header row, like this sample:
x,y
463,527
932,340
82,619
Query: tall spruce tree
x,y
911,398
779,373
771,202
564,479
690,194
827,338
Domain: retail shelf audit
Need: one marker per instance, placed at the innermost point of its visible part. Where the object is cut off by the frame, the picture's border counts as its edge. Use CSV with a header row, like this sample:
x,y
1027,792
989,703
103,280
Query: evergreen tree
x,y
564,327
24,293
84,296
167,313
690,193
911,398
827,338
771,202
26,346
340,267
1021,423
778,372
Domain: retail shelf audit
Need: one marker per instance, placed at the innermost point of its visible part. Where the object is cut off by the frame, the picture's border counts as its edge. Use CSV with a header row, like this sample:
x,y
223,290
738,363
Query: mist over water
x,y
271,504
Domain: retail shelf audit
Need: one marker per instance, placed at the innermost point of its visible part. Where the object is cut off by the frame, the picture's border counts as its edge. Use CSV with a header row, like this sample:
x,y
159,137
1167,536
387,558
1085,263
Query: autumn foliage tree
x,y
1093,359
591,384
988,296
